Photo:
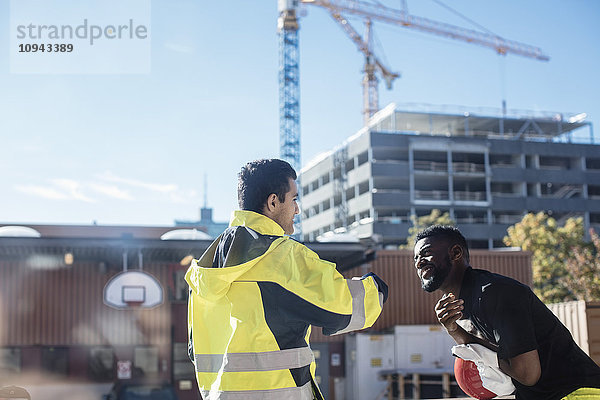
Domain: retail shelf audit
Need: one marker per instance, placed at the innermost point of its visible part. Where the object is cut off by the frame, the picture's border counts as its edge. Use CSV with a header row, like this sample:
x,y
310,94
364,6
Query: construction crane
x,y
372,65
289,93
289,83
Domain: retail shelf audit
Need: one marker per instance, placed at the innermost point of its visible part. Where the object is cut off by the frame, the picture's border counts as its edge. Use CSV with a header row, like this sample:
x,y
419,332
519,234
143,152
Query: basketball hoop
x,y
133,289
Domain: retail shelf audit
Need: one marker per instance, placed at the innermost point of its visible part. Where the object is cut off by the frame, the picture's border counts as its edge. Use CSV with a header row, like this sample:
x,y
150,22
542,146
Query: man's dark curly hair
x,y
261,178
450,233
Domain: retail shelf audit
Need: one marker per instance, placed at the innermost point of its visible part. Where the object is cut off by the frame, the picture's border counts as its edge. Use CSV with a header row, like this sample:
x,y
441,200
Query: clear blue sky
x,y
133,149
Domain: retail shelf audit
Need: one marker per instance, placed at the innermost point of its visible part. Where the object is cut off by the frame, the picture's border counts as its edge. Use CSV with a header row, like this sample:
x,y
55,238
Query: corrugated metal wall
x,y
64,306
583,321
408,304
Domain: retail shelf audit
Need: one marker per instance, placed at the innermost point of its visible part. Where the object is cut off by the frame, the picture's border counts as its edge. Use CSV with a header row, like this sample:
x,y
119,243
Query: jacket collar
x,y
257,222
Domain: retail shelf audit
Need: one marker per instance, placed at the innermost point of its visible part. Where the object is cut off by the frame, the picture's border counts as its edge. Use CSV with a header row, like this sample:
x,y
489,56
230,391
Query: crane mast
x,y
289,83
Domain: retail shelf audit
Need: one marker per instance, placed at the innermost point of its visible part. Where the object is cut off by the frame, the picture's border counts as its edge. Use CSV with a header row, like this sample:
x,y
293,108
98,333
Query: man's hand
x,y
449,310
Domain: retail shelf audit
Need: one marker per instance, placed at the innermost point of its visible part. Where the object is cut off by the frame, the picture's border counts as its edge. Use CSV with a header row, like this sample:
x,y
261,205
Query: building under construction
x,y
487,168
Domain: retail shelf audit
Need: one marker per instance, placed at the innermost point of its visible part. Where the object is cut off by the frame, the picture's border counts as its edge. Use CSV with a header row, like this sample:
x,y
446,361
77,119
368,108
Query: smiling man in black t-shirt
x,y
533,347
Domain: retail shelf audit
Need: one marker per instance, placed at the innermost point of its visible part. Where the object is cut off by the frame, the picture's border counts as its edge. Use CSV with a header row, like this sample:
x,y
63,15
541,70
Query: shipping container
x,y
583,321
423,348
366,356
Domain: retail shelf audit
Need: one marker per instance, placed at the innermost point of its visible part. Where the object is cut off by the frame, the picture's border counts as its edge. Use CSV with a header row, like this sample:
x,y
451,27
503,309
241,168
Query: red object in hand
x,y
467,377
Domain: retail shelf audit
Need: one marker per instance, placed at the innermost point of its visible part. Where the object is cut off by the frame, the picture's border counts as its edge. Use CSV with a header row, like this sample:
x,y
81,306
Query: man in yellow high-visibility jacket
x,y
255,293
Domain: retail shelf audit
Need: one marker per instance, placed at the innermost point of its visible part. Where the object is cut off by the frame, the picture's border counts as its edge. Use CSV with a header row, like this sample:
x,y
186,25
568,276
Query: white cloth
x,y
486,361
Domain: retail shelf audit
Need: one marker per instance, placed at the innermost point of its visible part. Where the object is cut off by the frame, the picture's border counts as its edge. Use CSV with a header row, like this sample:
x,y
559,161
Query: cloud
x,y
111,191
109,185
57,189
155,187
42,191
72,188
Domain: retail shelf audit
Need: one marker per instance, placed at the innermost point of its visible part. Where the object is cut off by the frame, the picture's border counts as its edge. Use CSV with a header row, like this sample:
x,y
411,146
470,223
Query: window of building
x,y
468,162
431,161
350,165
305,190
505,188
363,187
314,210
55,360
101,364
470,216
431,188
337,200
469,189
556,163
502,160
592,163
506,217
325,179
593,192
363,157
326,205
350,192
145,361
10,361
532,189
364,214
337,172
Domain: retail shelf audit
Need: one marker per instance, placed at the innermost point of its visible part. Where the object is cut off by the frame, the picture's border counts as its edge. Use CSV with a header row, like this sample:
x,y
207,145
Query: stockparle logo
x,y
83,37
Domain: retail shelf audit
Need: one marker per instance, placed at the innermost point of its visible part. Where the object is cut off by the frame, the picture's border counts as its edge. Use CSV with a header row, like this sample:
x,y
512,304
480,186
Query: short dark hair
x,y
451,233
259,179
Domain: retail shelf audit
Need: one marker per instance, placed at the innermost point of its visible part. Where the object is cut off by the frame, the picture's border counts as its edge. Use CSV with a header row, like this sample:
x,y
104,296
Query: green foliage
x,y
551,246
583,270
419,223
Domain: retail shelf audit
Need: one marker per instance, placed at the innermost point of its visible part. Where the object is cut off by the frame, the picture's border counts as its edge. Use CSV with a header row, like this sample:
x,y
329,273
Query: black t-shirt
x,y
508,314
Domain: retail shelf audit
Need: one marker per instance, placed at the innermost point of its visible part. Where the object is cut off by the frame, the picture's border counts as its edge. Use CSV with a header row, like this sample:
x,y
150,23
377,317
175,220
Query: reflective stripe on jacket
x,y
254,294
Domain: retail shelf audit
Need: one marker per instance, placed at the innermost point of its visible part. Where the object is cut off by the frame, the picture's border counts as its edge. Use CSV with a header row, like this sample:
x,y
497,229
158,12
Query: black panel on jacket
x,y
288,316
240,244
301,375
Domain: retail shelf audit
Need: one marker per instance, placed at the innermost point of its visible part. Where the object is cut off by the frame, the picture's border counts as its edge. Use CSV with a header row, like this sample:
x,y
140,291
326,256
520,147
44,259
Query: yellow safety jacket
x,y
254,294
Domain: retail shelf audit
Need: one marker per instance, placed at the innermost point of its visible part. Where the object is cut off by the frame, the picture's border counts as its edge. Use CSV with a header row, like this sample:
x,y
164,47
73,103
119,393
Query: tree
x,y
419,223
550,245
583,270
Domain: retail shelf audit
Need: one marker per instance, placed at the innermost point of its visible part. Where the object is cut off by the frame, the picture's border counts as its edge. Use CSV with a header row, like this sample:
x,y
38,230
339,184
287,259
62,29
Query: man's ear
x,y
271,203
456,252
